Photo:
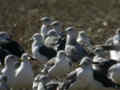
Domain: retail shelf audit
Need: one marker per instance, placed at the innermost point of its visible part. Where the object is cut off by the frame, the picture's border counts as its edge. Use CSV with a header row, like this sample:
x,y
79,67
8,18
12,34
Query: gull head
x,y
82,34
11,60
46,20
71,31
4,36
99,51
61,54
52,33
37,37
56,24
25,57
86,61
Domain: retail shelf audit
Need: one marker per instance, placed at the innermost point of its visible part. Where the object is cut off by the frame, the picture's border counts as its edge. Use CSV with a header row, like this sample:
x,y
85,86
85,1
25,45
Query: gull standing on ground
x,y
101,69
40,51
45,26
58,66
73,50
24,74
9,69
113,45
80,78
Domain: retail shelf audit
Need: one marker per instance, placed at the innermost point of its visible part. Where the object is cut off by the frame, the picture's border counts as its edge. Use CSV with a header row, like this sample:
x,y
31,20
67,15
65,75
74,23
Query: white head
x,y
61,54
52,33
37,36
25,57
86,61
57,25
70,30
82,34
46,20
4,36
99,51
11,60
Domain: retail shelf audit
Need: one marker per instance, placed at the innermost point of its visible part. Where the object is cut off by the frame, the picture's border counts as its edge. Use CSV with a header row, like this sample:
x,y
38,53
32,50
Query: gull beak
x,y
79,65
31,39
33,60
30,58
20,60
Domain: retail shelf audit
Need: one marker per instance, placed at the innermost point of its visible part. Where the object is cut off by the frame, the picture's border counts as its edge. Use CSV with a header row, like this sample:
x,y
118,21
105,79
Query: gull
x,y
51,39
57,26
9,68
114,73
82,78
74,50
84,40
45,26
24,74
113,45
9,46
58,66
101,69
40,51
99,55
55,41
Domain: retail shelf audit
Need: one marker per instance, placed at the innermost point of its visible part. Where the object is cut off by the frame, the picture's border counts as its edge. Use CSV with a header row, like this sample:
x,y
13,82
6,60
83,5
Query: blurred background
x,y
21,18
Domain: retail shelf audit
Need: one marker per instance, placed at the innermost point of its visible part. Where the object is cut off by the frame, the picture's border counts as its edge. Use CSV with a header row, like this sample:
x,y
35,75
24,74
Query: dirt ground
x,y
21,18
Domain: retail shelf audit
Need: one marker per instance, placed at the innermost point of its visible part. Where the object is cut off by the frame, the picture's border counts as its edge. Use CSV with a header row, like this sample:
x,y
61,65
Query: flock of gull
x,y
60,60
